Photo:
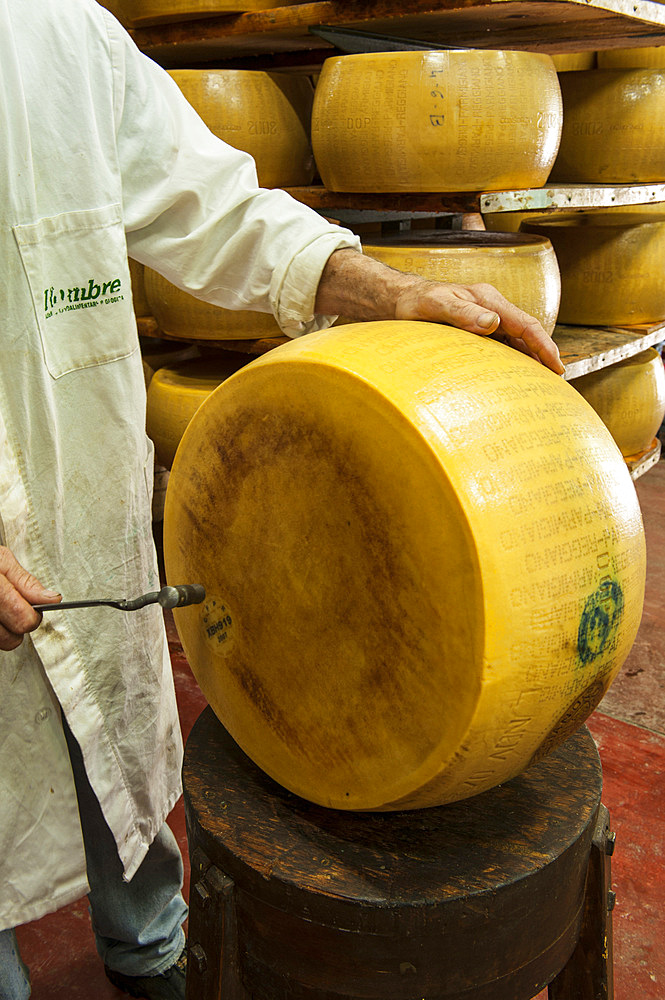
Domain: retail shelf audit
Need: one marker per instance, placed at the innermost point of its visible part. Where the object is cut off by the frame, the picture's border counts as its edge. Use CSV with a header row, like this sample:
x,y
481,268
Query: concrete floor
x,y
629,728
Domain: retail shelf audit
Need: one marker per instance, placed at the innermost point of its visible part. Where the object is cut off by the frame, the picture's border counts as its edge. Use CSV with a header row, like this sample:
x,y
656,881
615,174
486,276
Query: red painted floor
x,y
630,730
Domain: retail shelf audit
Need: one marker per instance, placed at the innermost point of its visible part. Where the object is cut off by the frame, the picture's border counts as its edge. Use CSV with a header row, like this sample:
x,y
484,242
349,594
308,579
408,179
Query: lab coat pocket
x,y
77,269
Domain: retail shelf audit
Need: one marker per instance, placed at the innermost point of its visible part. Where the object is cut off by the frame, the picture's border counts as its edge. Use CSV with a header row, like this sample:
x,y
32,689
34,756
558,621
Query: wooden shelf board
x,y
545,25
586,349
325,201
564,197
639,464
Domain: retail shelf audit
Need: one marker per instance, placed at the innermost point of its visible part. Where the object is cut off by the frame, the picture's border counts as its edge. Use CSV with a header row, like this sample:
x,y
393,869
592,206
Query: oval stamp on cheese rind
x,y
219,625
600,620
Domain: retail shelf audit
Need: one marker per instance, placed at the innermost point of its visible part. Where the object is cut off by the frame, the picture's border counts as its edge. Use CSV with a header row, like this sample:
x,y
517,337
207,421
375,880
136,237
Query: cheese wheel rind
x,y
264,114
523,268
566,62
611,266
471,120
181,315
424,561
139,300
648,57
613,127
629,397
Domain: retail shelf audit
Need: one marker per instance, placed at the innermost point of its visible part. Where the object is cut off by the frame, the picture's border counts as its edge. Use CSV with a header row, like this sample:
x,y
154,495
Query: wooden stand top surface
x,y
249,824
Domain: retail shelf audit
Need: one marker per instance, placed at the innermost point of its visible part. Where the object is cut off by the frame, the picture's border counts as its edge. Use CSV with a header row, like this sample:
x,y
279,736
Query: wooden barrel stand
x,y
491,898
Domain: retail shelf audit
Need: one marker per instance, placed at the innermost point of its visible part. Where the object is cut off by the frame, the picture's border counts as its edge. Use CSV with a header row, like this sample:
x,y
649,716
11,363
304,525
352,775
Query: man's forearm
x,y
359,287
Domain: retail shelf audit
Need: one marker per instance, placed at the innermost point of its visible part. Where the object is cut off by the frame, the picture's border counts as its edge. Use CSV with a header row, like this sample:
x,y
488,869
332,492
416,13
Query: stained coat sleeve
x,y
193,209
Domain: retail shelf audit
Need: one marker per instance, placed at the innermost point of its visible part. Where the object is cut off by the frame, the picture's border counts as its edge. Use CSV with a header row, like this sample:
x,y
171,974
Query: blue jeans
x,y
138,924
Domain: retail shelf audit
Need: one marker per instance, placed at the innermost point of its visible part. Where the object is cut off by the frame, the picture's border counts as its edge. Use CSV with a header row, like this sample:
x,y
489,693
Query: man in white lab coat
x,y
101,157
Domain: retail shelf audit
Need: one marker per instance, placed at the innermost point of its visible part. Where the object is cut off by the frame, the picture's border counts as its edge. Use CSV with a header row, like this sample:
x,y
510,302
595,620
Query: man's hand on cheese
x,y
361,288
19,590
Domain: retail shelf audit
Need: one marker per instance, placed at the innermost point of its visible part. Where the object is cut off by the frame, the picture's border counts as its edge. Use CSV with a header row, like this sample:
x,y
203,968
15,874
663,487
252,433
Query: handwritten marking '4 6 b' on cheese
x,y
432,550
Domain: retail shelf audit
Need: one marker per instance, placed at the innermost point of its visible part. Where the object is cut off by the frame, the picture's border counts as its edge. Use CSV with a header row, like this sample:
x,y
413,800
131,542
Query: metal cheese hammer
x,y
167,597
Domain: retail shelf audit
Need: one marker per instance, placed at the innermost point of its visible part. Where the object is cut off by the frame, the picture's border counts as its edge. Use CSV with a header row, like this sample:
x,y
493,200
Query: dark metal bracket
x,y
352,40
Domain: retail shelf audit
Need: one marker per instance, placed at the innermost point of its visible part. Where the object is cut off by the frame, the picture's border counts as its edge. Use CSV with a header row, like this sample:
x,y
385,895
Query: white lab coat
x,y
100,155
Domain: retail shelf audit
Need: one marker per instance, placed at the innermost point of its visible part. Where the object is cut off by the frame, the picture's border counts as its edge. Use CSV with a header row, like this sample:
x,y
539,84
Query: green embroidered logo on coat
x,y
104,293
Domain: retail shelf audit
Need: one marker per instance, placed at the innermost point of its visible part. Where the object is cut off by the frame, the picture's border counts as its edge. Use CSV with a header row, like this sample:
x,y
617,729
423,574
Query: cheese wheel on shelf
x,y
611,267
185,317
467,120
137,13
264,114
175,394
649,57
139,300
613,127
566,62
511,222
423,557
629,397
159,353
523,268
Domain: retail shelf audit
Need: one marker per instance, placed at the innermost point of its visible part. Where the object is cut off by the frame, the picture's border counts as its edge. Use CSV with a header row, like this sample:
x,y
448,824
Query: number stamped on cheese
x,y
219,625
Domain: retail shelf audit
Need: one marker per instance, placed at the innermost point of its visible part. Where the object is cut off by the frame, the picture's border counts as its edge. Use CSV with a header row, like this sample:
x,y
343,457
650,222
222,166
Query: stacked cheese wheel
x,y
649,57
613,127
629,397
423,556
265,114
175,394
436,121
512,222
141,12
611,267
179,314
566,62
164,352
522,267
139,300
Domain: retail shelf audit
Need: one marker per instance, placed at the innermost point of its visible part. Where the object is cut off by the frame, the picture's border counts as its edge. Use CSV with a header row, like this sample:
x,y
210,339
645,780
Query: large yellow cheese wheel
x,y
522,267
611,267
649,57
629,397
613,127
141,12
181,315
436,121
175,394
265,114
566,62
423,556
